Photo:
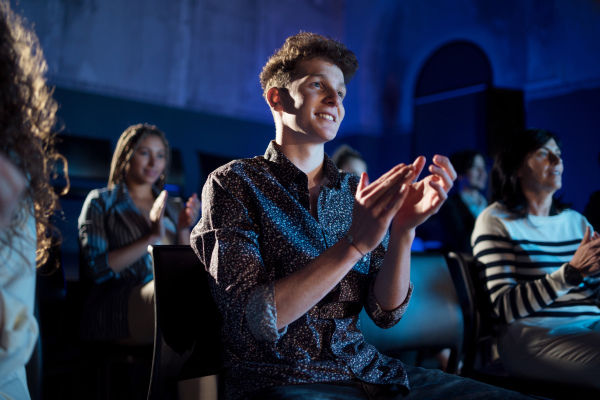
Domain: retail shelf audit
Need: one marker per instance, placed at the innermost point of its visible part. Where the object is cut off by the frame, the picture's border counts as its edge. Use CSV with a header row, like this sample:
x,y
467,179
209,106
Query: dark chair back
x,y
433,320
187,340
482,326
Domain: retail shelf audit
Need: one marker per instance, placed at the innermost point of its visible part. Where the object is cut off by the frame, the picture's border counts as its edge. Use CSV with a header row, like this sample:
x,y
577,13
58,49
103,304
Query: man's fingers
x,y
364,181
442,194
442,177
396,202
389,175
444,163
418,164
382,190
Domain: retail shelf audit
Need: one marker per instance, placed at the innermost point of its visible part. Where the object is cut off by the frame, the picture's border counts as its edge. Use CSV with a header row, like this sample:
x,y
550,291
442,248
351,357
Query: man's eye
x,y
341,94
317,84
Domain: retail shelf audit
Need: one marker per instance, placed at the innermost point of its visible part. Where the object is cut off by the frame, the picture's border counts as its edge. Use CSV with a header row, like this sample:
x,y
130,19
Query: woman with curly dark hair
x,y
116,225
27,117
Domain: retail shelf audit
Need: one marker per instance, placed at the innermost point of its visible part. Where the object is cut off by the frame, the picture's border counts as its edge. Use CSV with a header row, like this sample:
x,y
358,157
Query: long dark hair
x,y
126,146
506,186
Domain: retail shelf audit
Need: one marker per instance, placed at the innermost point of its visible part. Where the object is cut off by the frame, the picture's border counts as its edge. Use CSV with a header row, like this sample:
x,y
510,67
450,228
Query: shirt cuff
x,y
387,319
98,269
261,314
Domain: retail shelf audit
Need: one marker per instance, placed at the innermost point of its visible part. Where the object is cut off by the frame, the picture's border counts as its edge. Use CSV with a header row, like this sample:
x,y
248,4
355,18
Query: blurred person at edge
x,y
27,200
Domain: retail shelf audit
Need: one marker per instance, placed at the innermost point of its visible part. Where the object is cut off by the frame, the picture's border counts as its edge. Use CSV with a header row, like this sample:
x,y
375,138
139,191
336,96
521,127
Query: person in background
x,y
349,160
457,216
27,162
296,249
592,208
541,262
116,226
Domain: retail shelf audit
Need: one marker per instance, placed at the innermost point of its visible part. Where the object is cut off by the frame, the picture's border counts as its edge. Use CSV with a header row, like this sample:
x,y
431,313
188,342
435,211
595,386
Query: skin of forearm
x,y
183,236
120,259
296,293
393,280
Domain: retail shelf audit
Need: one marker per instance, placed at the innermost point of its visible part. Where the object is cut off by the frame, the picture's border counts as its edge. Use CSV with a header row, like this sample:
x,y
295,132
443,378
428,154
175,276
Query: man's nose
x,y
333,98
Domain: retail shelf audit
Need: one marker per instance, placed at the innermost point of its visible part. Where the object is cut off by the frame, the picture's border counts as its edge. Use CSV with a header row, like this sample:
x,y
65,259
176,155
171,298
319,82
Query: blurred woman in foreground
x,y
27,155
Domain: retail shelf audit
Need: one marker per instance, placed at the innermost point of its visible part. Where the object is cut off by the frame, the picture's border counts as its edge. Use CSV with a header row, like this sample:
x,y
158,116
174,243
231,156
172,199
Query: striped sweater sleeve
x,y
517,287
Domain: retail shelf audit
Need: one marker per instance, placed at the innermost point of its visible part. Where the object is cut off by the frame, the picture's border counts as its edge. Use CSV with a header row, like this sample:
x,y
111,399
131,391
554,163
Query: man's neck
x,y
308,157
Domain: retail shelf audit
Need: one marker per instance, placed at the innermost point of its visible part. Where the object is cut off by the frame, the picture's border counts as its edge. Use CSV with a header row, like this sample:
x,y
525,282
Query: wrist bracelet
x,y
350,240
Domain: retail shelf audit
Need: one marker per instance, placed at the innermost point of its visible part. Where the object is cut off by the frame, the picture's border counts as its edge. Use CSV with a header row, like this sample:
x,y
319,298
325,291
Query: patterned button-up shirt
x,y
257,227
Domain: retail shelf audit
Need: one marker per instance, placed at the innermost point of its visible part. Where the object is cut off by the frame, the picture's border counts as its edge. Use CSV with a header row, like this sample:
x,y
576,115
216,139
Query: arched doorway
x,y
456,105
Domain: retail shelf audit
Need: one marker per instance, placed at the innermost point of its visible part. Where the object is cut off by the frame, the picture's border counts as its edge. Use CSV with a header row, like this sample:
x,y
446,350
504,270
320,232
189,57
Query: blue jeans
x,y
425,384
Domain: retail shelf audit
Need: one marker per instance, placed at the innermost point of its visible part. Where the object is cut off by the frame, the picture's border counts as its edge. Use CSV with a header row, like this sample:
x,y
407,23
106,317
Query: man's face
x,y
312,104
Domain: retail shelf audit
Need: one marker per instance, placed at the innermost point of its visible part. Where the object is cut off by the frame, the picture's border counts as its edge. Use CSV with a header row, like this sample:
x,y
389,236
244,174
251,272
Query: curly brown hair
x,y
27,120
126,146
281,67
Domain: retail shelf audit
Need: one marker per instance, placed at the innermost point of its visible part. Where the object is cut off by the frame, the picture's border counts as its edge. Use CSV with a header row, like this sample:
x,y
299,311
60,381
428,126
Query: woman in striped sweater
x,y
540,263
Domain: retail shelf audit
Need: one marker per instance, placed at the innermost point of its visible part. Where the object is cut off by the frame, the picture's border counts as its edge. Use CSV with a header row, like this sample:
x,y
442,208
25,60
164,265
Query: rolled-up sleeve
x,y
261,314
93,239
386,319
227,242
382,318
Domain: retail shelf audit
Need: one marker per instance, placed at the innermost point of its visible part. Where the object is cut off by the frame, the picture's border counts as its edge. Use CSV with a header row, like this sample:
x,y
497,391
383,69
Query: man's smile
x,y
326,116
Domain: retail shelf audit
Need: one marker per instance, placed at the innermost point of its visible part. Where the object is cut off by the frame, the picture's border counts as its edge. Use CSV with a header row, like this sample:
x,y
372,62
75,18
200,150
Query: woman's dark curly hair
x,y
126,146
27,119
506,186
281,67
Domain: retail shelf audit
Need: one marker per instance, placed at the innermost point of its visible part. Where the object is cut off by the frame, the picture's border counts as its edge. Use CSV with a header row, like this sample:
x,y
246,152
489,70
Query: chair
x,y
187,341
433,320
480,361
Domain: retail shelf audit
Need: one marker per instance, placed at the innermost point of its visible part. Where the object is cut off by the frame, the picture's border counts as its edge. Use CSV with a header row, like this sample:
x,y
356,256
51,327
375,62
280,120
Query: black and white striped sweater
x,y
524,261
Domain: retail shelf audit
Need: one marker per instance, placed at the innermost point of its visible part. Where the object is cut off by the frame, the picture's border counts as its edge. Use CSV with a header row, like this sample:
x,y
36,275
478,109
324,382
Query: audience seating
x,y
433,320
481,361
187,341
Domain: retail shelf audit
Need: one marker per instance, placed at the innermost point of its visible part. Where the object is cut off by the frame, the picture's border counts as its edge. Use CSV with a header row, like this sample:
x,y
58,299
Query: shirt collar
x,y
285,170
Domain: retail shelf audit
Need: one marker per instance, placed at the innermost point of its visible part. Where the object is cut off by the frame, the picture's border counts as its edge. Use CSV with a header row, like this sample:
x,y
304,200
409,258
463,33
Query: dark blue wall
x,y
575,117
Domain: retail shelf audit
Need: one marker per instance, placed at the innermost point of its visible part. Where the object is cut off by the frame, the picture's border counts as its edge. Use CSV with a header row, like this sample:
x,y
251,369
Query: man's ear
x,y
274,98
